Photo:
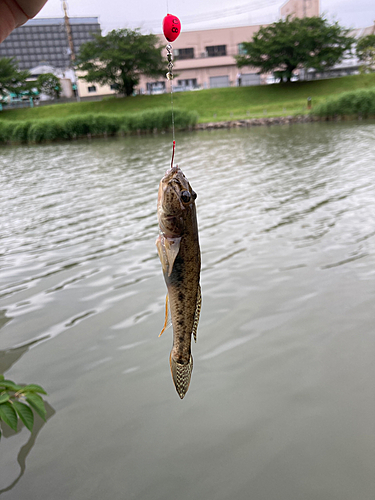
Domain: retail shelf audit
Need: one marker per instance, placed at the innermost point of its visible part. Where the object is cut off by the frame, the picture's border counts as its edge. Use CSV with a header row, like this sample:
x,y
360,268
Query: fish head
x,y
176,200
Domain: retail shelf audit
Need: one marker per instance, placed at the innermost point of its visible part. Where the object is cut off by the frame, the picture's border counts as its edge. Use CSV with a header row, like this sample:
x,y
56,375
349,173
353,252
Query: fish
x,y
179,253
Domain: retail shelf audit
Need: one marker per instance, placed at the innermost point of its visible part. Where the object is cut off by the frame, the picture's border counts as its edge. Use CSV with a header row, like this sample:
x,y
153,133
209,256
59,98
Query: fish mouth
x,y
170,173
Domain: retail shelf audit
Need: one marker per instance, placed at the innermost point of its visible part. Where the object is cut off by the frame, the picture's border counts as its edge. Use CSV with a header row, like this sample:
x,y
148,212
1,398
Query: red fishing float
x,y
171,27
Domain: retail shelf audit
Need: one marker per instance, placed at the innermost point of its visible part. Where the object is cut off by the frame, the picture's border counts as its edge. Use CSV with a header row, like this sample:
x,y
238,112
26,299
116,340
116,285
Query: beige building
x,y
300,8
205,59
89,90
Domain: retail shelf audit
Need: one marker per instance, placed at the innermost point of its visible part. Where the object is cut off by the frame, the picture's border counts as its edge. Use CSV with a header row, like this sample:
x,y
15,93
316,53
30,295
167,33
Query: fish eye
x,y
194,195
185,196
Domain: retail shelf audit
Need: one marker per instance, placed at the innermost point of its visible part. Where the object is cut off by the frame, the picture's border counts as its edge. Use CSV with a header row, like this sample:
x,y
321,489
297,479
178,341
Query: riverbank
x,y
257,122
103,126
212,105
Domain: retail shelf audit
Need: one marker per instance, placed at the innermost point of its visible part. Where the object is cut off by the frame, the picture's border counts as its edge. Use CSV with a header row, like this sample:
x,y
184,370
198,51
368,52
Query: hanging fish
x,y
179,252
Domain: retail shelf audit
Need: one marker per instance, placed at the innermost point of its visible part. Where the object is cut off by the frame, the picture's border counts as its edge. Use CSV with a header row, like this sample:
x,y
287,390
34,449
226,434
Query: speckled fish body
x,y
179,252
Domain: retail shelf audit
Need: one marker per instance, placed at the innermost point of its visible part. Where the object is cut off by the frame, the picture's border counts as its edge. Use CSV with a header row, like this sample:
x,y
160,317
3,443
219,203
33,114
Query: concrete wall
x,y
300,8
66,86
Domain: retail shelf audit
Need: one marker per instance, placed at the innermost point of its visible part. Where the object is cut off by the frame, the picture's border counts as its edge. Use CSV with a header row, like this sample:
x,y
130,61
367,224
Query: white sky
x,y
195,14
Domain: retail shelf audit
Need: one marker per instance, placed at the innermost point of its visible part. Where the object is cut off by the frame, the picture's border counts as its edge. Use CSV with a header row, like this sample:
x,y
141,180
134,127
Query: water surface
x,y
281,404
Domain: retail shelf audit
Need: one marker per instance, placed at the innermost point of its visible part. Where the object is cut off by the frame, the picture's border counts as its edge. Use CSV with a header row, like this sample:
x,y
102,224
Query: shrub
x,y
45,130
353,103
6,129
77,126
37,131
20,132
106,124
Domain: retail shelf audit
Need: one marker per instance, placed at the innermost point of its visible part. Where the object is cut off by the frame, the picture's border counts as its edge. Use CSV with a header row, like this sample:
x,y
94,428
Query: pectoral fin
x,y
161,253
168,249
197,313
172,247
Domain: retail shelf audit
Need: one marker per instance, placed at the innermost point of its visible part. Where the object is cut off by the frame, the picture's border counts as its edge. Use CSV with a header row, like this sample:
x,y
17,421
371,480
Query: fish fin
x,y
197,313
181,375
161,252
172,247
166,316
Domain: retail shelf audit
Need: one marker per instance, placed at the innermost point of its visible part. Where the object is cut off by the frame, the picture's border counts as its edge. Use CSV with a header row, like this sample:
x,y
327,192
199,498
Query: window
x,y
216,50
189,83
241,49
181,54
92,88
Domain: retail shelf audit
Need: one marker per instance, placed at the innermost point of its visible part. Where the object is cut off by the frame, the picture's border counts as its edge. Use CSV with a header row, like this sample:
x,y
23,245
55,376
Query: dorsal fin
x,y
197,313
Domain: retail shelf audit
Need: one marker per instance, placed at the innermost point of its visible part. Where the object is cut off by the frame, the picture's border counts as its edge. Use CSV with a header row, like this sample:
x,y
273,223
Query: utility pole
x,y
71,46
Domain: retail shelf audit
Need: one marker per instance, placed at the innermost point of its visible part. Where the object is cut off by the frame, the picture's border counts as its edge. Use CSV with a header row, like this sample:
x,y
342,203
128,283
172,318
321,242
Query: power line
x,y
247,8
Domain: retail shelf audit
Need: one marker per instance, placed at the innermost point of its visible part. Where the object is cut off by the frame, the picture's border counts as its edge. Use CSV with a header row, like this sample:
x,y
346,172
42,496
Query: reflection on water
x,y
281,403
26,448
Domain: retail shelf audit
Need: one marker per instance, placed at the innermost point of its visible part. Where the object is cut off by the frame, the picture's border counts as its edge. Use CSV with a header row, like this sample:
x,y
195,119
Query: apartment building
x,y
45,41
205,59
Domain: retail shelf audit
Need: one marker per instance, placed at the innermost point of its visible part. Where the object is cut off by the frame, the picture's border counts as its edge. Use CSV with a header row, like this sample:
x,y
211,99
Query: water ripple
x,y
78,221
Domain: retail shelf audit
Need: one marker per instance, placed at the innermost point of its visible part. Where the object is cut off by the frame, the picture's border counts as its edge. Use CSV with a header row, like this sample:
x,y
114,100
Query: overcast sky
x,y
195,14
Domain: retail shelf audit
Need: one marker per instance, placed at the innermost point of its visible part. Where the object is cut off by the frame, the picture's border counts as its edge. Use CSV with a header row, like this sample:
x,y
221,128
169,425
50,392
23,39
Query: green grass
x,y
211,105
92,124
360,102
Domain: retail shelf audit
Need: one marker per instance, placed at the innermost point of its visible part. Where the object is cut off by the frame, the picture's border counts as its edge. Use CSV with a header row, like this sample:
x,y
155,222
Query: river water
x,y
282,403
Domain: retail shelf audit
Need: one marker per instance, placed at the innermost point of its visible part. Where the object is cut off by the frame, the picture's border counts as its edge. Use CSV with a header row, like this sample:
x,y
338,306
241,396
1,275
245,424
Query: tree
x,y
366,52
49,84
119,58
12,80
289,44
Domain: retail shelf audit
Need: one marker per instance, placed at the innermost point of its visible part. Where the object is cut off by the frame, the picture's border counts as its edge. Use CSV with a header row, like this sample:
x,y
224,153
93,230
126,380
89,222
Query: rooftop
x,y
45,21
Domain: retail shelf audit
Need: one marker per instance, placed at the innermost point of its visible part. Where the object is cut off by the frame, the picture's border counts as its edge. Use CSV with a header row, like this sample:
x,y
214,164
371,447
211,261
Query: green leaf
x,y
37,403
34,388
9,415
8,384
4,398
25,414
1,377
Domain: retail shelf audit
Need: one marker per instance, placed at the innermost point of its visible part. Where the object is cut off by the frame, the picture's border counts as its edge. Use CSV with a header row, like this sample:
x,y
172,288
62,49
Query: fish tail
x,y
181,375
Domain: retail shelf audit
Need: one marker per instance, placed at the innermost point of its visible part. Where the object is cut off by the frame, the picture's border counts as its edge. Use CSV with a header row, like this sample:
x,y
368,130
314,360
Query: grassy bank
x,y
211,105
75,126
350,104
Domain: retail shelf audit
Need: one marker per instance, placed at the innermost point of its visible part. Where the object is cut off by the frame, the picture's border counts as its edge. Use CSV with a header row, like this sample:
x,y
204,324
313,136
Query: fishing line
x,y
171,29
170,78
